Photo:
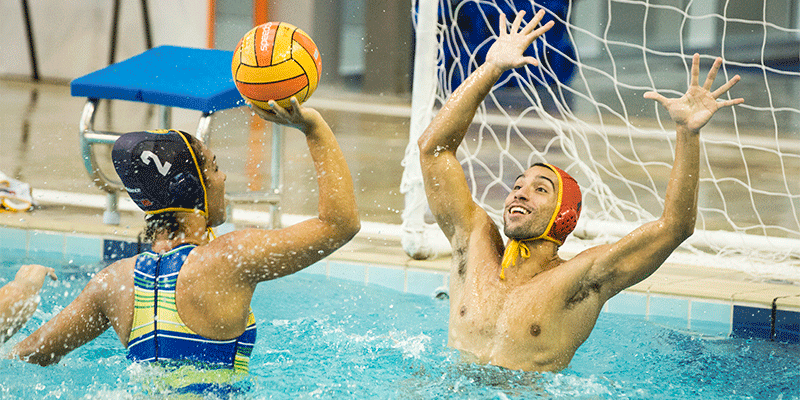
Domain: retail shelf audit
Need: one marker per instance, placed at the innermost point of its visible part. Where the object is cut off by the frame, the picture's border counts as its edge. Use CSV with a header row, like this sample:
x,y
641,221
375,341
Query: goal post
x,y
582,109
421,239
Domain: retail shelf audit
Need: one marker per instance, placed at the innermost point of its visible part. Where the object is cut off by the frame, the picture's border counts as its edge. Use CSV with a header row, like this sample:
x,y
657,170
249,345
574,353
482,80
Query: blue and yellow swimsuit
x,y
159,334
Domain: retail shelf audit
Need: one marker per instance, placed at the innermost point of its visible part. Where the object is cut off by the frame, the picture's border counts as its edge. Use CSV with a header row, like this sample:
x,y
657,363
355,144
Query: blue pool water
x,y
328,338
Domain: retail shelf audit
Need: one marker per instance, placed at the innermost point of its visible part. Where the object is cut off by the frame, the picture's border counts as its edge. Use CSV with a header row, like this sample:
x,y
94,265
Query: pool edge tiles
x,y
13,243
700,302
714,318
51,246
713,292
780,322
787,323
769,312
400,278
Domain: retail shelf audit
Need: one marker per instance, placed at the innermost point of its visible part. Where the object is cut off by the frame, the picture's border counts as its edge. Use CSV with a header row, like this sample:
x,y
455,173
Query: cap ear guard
x,y
568,207
185,185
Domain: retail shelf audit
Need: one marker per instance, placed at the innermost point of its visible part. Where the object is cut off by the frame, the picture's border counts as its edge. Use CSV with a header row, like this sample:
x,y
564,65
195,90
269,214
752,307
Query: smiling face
x,y
530,205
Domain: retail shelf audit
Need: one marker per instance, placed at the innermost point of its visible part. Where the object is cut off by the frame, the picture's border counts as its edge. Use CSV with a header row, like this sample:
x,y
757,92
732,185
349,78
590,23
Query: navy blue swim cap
x,y
160,171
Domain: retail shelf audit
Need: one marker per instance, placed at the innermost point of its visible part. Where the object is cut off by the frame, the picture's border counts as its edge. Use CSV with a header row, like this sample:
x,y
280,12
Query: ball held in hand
x,y
275,61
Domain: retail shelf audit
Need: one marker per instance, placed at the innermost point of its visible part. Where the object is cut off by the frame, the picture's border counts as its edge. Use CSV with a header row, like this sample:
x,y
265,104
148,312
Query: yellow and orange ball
x,y
275,61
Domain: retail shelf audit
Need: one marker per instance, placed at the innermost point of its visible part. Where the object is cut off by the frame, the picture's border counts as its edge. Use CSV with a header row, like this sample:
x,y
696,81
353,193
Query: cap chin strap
x,y
517,248
210,233
514,248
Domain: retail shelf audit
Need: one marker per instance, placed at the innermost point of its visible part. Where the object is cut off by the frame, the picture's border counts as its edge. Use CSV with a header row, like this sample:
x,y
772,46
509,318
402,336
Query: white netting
x,y
597,126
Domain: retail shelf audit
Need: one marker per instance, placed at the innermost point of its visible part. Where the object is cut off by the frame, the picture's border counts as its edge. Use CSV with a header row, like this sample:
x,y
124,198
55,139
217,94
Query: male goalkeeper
x,y
520,306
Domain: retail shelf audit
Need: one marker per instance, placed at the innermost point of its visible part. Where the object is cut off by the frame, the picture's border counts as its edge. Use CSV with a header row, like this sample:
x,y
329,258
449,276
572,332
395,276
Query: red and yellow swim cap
x,y
567,210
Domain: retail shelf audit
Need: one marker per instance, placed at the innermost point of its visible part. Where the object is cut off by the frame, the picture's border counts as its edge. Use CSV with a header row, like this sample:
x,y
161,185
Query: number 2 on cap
x,y
148,155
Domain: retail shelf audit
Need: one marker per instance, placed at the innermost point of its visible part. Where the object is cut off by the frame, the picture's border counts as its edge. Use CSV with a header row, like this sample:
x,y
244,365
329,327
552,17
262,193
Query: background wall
x,y
365,45
73,38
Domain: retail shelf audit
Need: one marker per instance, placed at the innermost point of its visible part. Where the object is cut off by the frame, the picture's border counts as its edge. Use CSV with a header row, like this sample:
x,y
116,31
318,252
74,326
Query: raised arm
x,y
20,297
445,184
640,253
271,254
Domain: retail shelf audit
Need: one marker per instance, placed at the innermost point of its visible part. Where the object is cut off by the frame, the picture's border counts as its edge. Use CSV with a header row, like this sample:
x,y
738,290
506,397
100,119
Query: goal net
x,y
583,110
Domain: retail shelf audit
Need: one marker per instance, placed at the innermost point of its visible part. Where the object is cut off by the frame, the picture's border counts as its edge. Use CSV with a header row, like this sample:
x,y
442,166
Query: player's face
x,y
215,185
529,206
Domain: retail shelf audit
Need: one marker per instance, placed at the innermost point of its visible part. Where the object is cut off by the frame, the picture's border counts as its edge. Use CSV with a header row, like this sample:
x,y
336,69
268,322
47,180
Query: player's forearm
x,y
77,324
337,203
680,203
32,350
448,128
17,304
39,348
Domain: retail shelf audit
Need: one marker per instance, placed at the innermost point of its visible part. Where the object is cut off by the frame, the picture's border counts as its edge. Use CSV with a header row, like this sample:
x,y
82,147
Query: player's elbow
x,y
351,227
345,228
679,228
43,360
428,146
685,233
422,143
31,355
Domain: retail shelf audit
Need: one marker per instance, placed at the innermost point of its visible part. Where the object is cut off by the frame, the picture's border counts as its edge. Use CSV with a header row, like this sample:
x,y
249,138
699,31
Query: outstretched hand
x,y
694,109
297,116
506,52
20,297
32,276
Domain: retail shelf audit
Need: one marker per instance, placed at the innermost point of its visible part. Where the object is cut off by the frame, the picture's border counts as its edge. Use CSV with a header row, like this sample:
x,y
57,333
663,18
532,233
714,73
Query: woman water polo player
x,y
188,300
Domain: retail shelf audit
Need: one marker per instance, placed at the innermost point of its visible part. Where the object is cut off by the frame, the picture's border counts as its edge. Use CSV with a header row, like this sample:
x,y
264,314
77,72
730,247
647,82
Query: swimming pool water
x,y
328,338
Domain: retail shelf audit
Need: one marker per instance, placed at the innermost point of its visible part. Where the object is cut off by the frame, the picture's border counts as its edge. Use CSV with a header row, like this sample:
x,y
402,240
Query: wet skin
x,y
538,316
217,280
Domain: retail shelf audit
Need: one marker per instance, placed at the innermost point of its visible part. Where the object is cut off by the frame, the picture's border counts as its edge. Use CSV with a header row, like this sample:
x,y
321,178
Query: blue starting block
x,y
195,79
167,76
